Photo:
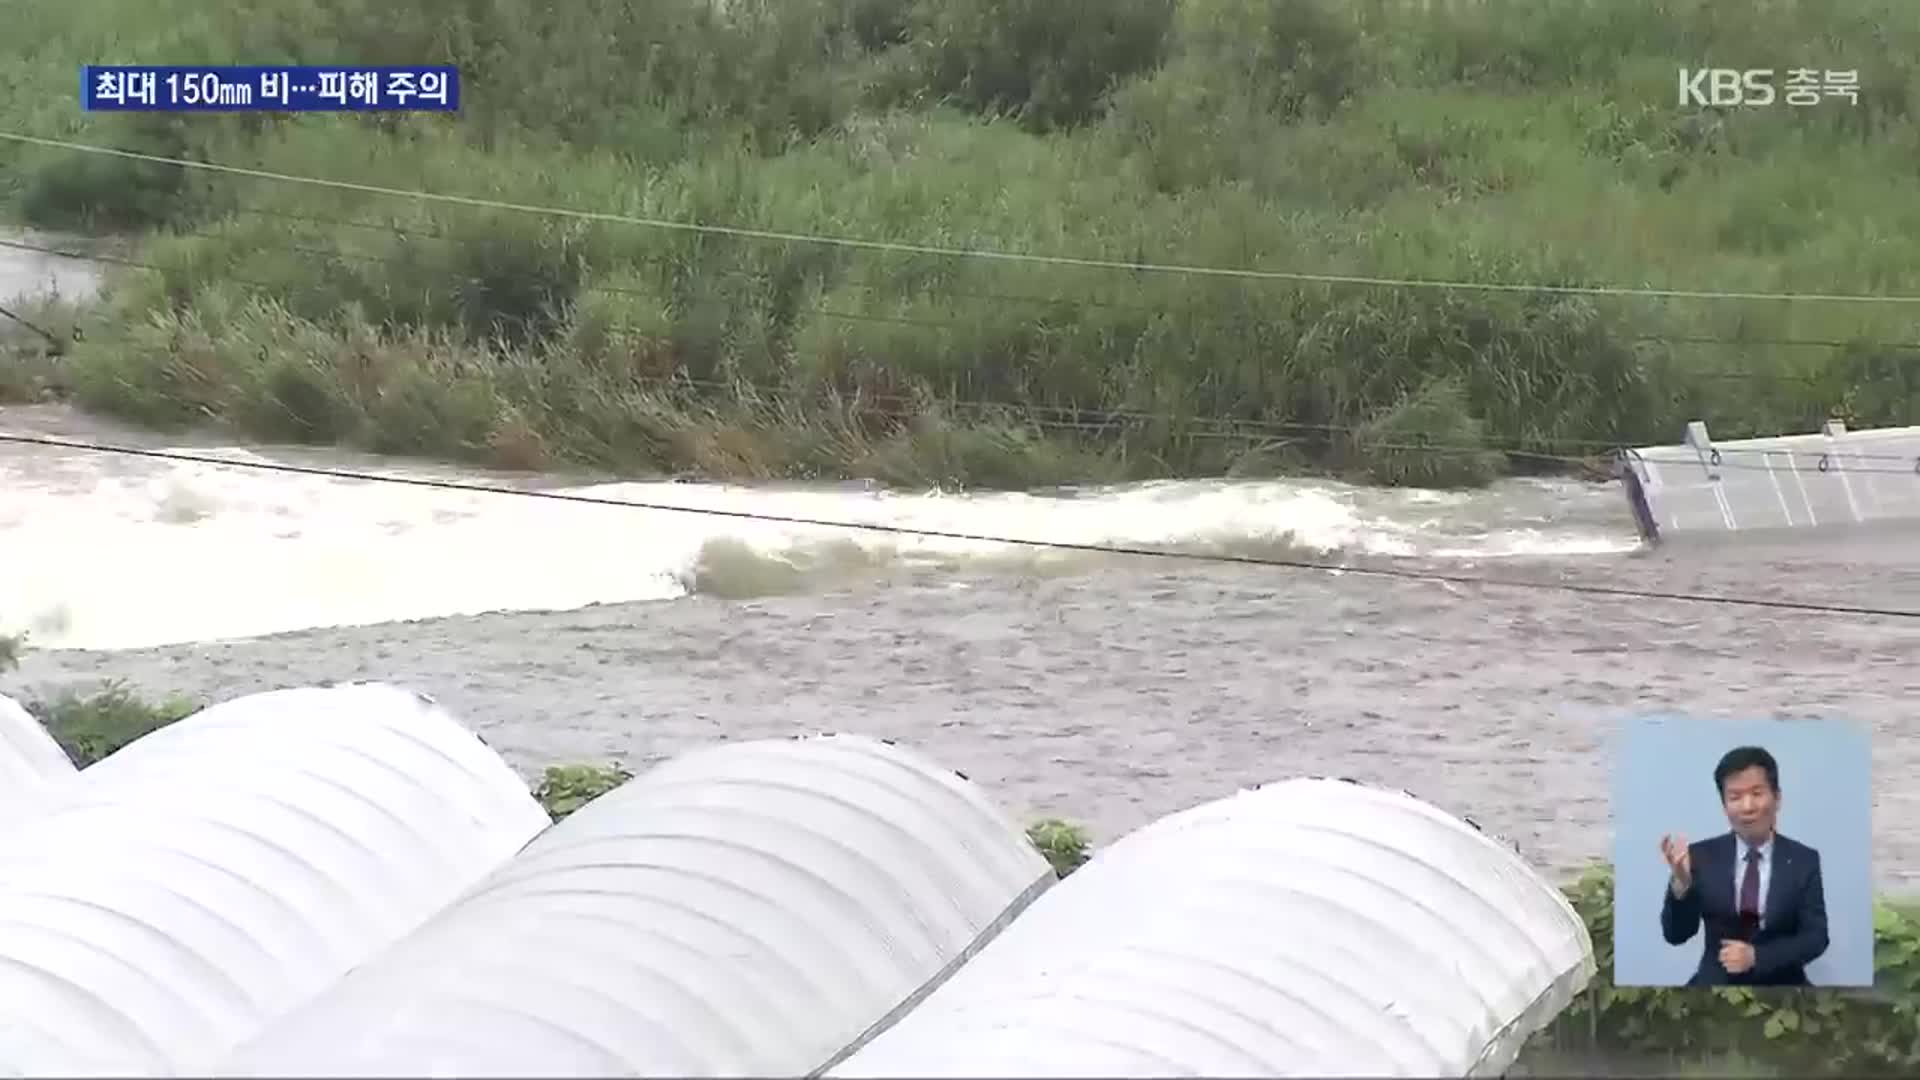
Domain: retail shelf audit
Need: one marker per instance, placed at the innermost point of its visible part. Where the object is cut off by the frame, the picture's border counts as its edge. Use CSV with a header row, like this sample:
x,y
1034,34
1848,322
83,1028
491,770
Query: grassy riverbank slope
x,y
1530,141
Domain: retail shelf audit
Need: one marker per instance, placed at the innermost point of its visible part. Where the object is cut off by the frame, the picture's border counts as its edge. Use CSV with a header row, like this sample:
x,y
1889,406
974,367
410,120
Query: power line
x,y
948,252
52,339
939,324
939,534
1048,417
1112,305
1248,426
1237,427
947,325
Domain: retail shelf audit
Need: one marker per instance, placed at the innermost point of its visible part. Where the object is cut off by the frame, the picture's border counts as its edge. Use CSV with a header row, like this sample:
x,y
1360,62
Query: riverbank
x,y
1486,142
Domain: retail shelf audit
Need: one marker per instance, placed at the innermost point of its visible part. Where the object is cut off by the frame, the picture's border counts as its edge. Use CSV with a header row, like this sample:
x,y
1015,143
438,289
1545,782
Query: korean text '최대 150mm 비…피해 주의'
x,y
161,88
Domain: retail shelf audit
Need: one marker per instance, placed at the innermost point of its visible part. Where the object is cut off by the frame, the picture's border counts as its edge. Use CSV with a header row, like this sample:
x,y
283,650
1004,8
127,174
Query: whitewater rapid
x,y
112,552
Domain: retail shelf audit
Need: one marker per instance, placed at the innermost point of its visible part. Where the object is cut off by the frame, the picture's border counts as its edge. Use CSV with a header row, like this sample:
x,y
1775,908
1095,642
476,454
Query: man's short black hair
x,y
1742,758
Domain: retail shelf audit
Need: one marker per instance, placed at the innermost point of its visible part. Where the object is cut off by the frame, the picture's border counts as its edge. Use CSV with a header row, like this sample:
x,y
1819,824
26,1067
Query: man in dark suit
x,y
1758,893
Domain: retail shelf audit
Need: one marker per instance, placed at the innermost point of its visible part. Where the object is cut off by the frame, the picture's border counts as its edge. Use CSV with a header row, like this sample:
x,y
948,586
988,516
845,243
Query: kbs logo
x,y
1803,87
1726,86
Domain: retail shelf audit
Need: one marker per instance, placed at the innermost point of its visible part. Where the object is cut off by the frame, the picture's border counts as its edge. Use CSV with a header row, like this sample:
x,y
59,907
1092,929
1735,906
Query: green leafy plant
x,y
565,788
90,726
1064,844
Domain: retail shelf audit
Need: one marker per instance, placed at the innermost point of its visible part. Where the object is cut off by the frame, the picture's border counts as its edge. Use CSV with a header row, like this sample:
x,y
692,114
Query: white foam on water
x,y
1534,543
98,552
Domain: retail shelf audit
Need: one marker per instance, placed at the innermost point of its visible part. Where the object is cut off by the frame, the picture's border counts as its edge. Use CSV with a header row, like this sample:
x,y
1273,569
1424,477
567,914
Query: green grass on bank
x,y
1492,140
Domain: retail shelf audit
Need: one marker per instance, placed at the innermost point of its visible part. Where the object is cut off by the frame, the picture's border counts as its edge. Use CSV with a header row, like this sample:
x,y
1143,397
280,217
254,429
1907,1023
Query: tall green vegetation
x,y
1489,141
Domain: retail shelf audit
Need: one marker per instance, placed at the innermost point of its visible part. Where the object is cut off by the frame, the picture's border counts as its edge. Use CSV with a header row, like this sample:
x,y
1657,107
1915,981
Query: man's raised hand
x,y
1679,860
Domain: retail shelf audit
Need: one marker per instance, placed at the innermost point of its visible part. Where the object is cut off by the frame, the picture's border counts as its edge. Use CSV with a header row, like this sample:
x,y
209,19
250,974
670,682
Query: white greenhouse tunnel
x,y
167,902
1307,928
346,881
745,910
29,761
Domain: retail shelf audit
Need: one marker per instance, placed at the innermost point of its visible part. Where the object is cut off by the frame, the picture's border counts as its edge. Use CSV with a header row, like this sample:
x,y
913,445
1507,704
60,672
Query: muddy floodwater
x,y
1102,689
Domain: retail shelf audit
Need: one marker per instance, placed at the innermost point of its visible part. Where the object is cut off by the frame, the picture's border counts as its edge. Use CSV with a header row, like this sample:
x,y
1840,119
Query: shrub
x,y
100,194
1050,63
565,788
1065,845
1429,439
91,726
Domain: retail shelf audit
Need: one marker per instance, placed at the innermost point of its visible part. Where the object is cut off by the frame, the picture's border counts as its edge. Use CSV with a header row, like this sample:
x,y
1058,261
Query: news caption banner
x,y
1804,87
140,88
